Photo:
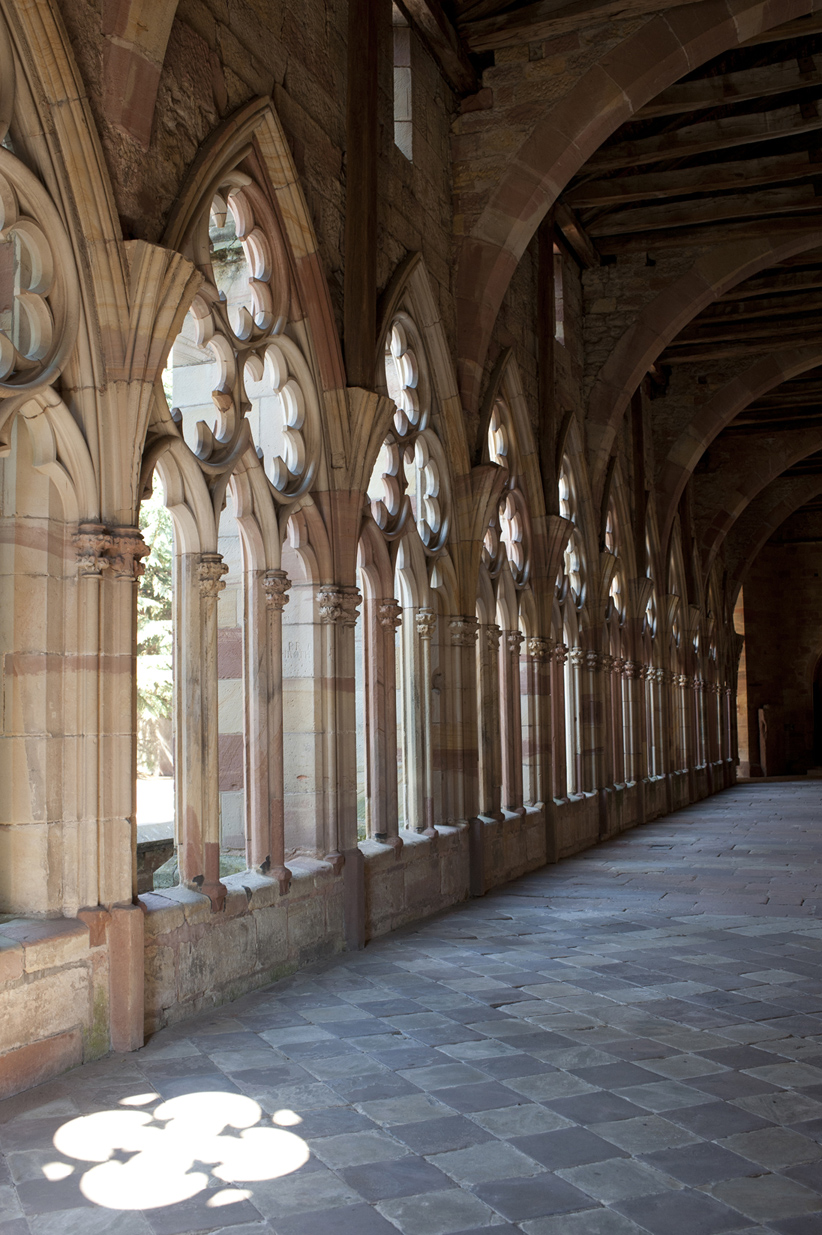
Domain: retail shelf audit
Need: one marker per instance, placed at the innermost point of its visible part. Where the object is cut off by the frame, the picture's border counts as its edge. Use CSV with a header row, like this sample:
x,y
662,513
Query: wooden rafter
x,y
775,124
442,40
756,83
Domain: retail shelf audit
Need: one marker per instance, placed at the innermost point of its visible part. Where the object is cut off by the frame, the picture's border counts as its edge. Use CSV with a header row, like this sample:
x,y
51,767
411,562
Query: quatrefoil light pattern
x,y
147,1160
235,355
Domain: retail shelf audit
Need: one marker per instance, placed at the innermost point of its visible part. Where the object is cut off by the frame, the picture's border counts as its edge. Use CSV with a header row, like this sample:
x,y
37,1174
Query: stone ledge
x,y
29,1065
11,960
47,944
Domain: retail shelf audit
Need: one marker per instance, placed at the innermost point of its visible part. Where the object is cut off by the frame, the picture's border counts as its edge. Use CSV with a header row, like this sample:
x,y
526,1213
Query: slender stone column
x,y
117,834
617,720
509,685
559,768
91,543
605,743
426,622
576,660
381,618
463,762
490,768
211,569
264,733
338,612
537,727
632,720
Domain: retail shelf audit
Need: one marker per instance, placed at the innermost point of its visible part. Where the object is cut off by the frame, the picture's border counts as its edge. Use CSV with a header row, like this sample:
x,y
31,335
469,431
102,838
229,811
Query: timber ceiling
x,y
731,151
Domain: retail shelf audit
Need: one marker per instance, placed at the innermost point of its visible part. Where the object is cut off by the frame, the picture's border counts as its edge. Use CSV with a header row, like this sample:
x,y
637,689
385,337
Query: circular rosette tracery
x,y
515,535
233,355
38,289
409,477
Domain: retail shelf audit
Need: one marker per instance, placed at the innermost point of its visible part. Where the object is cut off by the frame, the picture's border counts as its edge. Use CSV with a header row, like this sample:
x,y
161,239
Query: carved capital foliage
x,y
389,614
492,634
338,605
618,664
539,649
607,662
513,641
631,669
117,549
276,584
91,542
211,571
463,631
560,653
577,657
592,661
426,621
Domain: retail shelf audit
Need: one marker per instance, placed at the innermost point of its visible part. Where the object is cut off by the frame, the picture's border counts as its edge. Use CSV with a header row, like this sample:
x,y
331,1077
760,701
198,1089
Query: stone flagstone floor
x,y
629,1042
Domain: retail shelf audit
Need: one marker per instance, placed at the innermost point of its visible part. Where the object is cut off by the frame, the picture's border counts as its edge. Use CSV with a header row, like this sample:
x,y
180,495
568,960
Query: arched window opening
x,y
403,85
231,694
155,696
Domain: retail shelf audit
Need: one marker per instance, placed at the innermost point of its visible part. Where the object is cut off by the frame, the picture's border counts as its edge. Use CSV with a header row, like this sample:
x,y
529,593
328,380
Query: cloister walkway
x,y
628,1042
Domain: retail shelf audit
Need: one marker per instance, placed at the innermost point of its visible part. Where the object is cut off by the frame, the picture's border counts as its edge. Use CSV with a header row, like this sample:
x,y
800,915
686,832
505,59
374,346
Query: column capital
x,y
607,662
492,634
125,549
513,641
276,584
560,653
426,622
338,604
631,669
593,661
463,631
92,542
389,614
211,570
539,649
577,657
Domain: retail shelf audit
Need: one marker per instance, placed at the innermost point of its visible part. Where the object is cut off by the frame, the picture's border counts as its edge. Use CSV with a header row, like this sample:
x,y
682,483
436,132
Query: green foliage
x,y
154,612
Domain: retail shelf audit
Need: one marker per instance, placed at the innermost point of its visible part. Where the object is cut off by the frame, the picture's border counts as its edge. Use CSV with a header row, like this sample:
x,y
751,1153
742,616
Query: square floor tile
x,y
436,1213
490,1160
714,1120
768,1197
681,1213
433,1136
480,1097
597,1107
521,1199
197,1215
567,1148
774,1147
703,1163
644,1134
525,1120
408,1176
599,1221
617,1179
664,1096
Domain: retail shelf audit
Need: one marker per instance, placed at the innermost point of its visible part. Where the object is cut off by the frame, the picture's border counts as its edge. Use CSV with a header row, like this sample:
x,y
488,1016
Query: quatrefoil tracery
x,y
260,382
407,481
38,291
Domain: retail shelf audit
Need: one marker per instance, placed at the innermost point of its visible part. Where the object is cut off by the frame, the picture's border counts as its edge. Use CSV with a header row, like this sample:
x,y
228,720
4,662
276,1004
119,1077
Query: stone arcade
x,y
465,359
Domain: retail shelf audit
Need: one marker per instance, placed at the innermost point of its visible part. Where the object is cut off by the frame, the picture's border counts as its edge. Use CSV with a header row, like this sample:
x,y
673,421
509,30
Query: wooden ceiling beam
x,y
720,233
800,28
575,236
766,306
443,42
774,283
701,351
792,199
725,332
746,174
761,82
549,17
707,135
